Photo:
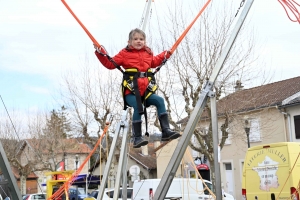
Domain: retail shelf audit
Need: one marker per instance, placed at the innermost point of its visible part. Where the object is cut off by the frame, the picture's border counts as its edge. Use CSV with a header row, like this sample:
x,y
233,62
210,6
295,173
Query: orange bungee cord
x,y
172,49
178,41
292,6
69,182
85,29
188,28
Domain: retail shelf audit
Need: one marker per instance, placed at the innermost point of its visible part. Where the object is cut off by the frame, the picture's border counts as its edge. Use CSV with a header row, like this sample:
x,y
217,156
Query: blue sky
x,y
40,40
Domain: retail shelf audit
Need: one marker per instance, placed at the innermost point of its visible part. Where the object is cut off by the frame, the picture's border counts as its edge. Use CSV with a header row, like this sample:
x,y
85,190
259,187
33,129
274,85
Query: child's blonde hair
x,y
132,32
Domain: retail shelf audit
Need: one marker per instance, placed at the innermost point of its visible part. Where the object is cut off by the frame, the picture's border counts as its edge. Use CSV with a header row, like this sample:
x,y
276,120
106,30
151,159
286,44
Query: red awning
x,y
202,167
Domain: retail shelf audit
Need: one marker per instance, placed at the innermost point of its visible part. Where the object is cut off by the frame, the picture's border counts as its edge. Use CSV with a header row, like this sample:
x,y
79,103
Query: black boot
x,y
167,133
138,140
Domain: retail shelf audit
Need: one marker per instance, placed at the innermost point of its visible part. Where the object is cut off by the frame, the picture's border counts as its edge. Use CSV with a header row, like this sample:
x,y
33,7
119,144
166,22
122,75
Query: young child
x,y
139,83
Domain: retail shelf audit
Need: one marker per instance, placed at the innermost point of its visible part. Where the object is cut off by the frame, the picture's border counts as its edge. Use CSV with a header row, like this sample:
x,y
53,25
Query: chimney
x,y
238,86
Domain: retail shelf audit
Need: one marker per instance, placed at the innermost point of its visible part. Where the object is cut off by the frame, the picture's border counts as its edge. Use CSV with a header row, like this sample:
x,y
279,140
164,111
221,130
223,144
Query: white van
x,y
180,188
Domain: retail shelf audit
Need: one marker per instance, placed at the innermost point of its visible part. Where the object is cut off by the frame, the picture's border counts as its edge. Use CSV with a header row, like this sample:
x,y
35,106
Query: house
x,y
44,155
30,184
269,113
144,162
146,159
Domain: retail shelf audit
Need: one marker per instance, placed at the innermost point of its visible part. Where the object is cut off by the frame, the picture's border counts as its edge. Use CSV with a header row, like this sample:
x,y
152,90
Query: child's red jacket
x,y
129,58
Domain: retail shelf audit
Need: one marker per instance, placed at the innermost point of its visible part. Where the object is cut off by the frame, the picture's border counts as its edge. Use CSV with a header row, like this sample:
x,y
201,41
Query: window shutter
x,y
254,134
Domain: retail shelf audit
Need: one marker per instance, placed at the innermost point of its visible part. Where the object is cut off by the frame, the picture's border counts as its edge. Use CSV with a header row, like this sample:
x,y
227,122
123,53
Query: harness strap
x,y
131,78
137,94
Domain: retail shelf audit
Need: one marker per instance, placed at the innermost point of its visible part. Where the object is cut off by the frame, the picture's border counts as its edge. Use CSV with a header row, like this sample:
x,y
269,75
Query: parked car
x,y
73,193
109,194
38,196
24,197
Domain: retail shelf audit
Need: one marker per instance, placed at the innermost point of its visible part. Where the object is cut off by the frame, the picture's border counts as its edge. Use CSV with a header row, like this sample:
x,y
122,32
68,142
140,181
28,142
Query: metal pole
x,y
248,140
147,16
122,164
124,184
173,165
111,155
76,167
214,122
8,175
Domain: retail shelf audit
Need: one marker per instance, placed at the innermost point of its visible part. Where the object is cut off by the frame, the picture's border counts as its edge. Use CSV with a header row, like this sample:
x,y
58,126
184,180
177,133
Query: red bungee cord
x,y
292,6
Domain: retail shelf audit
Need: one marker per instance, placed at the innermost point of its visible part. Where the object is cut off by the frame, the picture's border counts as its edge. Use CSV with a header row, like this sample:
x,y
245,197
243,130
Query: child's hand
x,y
100,49
95,46
167,54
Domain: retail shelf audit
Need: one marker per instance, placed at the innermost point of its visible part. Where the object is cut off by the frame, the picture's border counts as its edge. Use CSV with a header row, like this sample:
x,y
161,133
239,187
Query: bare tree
x,y
43,146
93,97
191,65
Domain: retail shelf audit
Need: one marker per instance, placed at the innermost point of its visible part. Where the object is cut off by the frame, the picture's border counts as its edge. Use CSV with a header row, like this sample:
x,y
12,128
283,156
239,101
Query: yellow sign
x,y
271,170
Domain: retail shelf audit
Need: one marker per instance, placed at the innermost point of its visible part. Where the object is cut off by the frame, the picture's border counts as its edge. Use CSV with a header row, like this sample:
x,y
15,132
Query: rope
x,y
188,28
189,157
84,28
196,170
66,185
291,5
288,176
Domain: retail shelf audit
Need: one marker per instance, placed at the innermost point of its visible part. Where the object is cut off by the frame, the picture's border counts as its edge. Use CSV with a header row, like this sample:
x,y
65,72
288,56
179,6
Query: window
x,y
129,193
111,194
192,174
210,187
195,142
228,166
297,126
76,164
254,135
39,196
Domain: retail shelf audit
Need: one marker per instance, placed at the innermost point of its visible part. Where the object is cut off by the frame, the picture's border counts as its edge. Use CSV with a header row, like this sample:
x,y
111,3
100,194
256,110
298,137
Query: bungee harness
x,y
130,82
130,77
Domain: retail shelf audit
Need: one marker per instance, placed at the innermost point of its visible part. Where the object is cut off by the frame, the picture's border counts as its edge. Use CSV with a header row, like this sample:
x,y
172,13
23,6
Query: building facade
x,y
271,113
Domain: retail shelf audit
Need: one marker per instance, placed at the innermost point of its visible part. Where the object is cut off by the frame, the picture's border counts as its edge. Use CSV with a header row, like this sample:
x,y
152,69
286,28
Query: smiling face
x,y
137,41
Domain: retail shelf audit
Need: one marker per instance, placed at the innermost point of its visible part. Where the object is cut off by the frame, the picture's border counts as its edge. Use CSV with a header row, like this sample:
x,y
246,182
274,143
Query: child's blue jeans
x,y
154,100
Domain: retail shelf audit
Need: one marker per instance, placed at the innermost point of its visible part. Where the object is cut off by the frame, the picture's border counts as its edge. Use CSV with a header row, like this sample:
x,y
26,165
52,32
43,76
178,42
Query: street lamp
x,y
76,166
247,126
